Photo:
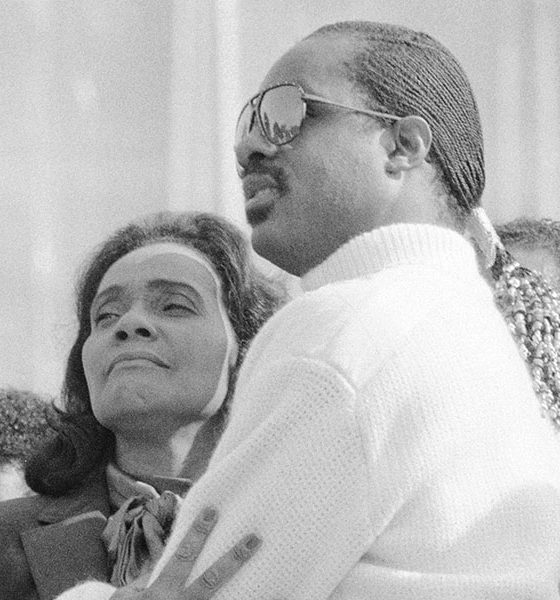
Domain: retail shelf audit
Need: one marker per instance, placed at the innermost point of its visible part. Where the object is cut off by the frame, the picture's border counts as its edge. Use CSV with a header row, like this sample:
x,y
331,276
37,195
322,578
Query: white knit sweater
x,y
384,440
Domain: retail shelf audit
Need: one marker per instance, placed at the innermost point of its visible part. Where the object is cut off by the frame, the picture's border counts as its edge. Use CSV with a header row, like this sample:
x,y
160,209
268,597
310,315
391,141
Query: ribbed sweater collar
x,y
390,246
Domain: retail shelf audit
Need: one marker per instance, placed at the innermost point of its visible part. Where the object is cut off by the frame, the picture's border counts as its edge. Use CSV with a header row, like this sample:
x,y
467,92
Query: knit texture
x,y
384,440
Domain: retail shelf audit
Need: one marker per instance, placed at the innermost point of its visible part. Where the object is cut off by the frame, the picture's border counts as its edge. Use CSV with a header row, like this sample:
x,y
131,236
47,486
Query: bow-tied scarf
x,y
136,533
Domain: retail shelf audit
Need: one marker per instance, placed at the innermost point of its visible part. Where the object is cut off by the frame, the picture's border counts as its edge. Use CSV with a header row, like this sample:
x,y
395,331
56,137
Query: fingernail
x,y
252,542
209,514
211,579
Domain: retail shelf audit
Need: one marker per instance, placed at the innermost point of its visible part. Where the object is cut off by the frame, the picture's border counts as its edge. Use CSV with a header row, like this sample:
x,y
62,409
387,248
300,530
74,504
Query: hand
x,y
170,585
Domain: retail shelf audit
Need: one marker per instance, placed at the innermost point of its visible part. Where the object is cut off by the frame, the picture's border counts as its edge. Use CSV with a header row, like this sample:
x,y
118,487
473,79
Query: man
x,y
384,441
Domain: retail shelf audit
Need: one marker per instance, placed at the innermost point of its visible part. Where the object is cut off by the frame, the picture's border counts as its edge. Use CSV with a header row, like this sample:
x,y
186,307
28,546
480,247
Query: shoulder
x,y
358,325
92,494
23,517
16,516
387,294
373,313
18,513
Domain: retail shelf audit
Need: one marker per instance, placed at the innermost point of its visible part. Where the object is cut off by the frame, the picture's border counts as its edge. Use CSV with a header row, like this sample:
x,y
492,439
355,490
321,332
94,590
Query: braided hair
x,y
405,72
531,306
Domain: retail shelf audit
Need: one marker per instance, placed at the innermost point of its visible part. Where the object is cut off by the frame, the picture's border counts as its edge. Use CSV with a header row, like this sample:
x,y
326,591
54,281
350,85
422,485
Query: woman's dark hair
x,y
82,445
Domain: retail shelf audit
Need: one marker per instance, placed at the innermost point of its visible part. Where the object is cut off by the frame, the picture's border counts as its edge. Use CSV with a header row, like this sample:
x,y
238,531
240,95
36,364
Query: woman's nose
x,y
252,144
135,324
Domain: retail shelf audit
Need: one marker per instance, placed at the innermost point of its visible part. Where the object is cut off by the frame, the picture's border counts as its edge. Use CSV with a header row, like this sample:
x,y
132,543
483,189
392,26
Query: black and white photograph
x,y
280,300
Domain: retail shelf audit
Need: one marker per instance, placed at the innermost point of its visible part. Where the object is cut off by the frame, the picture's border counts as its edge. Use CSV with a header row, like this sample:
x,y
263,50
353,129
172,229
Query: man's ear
x,y
411,139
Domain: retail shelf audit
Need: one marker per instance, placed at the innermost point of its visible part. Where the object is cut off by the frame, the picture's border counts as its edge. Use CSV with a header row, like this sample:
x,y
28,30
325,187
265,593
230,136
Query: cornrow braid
x,y
406,72
531,308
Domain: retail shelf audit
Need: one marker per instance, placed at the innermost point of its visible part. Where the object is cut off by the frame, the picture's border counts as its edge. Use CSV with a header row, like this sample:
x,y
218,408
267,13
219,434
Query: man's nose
x,y
252,144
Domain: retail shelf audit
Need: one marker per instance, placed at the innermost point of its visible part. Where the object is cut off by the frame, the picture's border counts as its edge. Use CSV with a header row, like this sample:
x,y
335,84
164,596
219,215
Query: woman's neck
x,y
143,453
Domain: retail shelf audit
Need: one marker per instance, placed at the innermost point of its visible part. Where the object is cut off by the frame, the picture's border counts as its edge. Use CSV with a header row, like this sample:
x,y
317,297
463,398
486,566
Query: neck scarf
x,y
136,534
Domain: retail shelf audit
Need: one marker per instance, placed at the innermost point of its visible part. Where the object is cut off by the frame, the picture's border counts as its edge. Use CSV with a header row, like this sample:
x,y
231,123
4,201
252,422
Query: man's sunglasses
x,y
280,111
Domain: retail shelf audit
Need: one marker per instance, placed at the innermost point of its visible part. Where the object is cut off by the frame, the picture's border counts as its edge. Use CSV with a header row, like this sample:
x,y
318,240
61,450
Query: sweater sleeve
x,y
291,467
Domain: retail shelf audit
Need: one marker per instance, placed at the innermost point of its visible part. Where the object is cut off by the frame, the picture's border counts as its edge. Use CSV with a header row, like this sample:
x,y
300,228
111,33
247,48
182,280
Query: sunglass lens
x,y
281,112
245,123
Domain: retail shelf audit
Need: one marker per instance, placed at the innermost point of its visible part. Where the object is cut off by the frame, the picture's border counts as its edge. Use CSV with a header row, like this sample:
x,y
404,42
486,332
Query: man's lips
x,y
125,357
261,191
257,182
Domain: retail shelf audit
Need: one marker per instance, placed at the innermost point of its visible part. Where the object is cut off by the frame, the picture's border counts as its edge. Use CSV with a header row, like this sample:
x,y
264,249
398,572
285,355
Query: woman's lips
x,y
136,357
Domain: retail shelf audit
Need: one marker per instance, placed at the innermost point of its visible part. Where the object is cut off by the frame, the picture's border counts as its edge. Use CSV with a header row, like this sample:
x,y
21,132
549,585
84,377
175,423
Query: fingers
x,y
129,592
170,585
175,573
205,586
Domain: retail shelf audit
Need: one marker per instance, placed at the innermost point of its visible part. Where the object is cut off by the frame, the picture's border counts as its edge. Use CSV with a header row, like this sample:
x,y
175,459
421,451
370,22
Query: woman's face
x,y
158,340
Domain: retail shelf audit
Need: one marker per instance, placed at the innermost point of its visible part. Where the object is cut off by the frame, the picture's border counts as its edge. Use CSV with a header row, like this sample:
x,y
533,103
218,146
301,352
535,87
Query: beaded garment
x,y
531,308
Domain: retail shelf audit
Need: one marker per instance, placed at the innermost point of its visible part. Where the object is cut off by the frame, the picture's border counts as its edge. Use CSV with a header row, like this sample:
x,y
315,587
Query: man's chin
x,y
258,214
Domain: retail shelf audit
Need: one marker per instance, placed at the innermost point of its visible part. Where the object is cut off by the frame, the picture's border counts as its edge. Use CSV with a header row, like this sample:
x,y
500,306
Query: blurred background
x,y
115,108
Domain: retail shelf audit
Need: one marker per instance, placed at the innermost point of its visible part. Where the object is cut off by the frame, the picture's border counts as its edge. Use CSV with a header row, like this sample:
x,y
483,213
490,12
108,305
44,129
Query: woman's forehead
x,y
163,261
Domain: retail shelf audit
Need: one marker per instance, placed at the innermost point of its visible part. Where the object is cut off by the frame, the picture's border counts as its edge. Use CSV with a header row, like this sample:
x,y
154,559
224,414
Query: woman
x,y
166,309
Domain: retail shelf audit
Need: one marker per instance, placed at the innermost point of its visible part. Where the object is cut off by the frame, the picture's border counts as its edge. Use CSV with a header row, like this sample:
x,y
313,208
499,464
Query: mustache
x,y
257,166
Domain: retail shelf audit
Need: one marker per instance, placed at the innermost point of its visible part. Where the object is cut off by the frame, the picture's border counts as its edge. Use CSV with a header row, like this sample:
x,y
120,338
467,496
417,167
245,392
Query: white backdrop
x,y
113,109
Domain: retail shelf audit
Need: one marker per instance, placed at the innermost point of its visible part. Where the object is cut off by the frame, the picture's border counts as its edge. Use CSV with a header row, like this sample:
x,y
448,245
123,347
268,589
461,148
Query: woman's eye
x,y
176,308
104,318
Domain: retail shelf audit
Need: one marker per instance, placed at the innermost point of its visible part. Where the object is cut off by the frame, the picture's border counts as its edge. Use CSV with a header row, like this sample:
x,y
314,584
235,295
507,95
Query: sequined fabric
x,y
531,308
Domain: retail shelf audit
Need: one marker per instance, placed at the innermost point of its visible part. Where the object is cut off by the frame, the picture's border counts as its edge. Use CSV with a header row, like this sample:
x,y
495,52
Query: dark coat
x,y
49,544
